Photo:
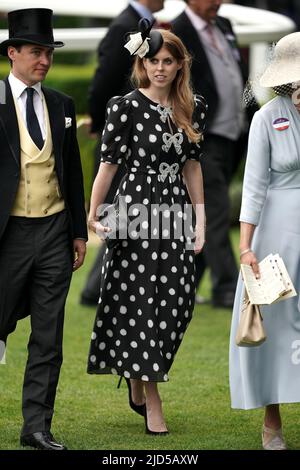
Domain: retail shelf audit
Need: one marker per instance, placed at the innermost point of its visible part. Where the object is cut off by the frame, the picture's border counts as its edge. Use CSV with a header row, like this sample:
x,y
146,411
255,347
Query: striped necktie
x,y
212,39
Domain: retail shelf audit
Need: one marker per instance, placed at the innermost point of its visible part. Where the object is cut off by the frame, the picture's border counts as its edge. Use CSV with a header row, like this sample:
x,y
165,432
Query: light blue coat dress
x,y
270,373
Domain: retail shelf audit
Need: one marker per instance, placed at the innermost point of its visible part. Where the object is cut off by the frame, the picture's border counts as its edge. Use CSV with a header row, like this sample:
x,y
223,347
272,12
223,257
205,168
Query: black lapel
x,y
8,117
57,123
192,40
133,14
195,47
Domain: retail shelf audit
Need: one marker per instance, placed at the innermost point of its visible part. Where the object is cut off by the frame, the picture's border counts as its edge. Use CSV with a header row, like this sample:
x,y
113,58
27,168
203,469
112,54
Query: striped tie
x,y
212,39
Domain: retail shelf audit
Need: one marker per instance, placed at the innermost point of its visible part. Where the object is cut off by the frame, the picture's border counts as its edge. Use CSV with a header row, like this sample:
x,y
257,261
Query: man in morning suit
x,y
112,77
217,74
42,217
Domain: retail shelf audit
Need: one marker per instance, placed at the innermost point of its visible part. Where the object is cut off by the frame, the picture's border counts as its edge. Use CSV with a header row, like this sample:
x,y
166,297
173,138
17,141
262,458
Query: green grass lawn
x,y
91,413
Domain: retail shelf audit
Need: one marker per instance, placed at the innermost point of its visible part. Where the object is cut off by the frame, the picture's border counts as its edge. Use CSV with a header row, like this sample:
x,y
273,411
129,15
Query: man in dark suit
x,y
217,74
112,77
42,217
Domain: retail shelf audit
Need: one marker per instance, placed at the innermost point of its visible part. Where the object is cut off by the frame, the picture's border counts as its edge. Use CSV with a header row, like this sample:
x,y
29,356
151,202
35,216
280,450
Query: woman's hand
x,y
96,227
250,259
200,238
92,225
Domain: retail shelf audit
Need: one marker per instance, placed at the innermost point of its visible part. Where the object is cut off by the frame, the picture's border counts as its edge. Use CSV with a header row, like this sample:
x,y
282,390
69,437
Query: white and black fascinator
x,y
144,43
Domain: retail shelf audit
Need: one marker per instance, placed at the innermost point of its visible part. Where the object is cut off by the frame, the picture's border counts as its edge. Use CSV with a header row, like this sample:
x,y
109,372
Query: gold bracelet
x,y
245,251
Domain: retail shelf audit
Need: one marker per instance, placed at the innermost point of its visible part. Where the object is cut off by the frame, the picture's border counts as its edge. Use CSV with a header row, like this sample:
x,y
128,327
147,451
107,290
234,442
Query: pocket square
x,y
68,122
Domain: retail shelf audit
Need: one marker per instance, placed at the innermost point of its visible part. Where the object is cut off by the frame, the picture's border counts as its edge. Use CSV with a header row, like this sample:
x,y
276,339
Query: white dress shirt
x,y
18,89
229,117
200,26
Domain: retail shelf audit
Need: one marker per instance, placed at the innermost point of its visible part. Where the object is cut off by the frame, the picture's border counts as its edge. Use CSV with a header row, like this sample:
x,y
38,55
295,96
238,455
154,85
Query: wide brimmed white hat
x,y
284,67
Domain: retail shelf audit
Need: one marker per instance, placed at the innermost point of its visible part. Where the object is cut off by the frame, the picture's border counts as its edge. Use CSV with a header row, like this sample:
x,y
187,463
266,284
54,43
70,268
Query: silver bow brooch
x,y
170,139
168,170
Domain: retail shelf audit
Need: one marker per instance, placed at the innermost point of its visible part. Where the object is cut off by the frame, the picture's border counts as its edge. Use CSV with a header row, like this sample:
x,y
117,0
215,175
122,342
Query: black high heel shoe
x,y
140,409
154,433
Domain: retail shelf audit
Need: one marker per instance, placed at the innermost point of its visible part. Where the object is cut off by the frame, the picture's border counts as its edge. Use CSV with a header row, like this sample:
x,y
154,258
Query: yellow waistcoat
x,y
38,193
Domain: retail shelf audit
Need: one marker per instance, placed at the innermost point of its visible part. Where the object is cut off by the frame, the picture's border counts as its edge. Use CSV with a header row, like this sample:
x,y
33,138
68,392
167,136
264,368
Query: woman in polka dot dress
x,y
147,293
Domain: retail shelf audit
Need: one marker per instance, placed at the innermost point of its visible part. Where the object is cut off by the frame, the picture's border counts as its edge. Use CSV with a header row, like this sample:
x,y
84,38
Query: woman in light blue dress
x,y
269,374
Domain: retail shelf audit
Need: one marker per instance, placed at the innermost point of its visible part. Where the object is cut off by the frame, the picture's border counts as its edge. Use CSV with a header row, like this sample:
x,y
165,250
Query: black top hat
x,y
30,26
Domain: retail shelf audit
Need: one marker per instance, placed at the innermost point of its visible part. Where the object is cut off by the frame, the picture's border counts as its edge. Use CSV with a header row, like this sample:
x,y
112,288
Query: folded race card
x,y
274,283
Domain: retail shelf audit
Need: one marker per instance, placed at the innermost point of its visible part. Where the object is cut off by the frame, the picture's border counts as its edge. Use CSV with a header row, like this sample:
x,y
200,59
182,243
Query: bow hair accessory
x,y
145,43
137,45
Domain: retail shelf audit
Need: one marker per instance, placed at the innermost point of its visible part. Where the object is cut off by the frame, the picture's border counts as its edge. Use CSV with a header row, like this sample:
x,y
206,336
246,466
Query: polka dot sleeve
x,y
199,124
117,130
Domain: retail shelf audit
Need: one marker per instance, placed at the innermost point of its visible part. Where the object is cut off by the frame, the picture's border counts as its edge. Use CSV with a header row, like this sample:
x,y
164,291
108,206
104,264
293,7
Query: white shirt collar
x,y
18,87
196,20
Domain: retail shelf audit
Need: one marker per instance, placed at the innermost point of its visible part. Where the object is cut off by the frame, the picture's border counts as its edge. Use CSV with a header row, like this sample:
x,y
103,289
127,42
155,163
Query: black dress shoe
x,y
225,300
140,409
41,440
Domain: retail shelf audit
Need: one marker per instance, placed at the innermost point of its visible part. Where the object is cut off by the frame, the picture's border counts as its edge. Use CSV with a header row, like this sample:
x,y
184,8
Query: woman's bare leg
x,y
137,391
155,417
272,434
272,417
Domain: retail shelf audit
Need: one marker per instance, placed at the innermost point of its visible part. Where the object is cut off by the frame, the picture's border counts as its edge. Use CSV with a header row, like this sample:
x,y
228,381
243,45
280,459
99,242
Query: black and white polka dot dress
x,y
148,285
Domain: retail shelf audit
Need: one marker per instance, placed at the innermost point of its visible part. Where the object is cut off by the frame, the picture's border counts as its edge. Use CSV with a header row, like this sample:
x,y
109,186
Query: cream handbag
x,y
250,330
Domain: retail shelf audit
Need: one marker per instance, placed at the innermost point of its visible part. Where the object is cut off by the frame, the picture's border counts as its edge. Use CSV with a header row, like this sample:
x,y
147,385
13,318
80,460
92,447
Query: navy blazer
x,y
66,154
112,76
